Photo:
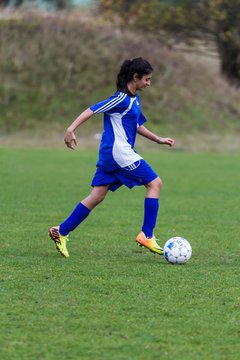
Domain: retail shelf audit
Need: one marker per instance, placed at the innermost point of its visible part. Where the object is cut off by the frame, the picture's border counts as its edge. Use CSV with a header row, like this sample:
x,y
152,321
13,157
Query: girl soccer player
x,y
118,163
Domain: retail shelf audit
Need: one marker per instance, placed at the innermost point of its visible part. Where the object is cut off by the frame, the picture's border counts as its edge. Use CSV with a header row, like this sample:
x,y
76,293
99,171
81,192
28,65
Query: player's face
x,y
142,83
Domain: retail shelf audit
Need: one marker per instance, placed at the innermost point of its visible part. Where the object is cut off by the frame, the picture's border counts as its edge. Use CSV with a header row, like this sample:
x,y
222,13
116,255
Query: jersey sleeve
x,y
141,120
115,103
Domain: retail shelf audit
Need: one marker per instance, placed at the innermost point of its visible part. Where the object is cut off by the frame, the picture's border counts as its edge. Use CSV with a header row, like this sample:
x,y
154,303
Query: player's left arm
x,y
142,130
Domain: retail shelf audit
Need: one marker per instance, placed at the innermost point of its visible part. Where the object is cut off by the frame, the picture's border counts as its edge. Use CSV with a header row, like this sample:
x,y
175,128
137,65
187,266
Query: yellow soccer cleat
x,y
151,244
59,240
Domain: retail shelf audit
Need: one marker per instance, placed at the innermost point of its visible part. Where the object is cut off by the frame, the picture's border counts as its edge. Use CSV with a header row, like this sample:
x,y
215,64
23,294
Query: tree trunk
x,y
4,3
229,51
62,4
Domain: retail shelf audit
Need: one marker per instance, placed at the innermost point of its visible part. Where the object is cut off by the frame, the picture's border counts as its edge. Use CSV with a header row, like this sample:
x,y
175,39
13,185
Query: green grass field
x,y
110,299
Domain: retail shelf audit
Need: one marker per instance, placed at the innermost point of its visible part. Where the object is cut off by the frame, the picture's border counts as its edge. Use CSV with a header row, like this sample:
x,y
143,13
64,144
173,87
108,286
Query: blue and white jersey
x,y
122,117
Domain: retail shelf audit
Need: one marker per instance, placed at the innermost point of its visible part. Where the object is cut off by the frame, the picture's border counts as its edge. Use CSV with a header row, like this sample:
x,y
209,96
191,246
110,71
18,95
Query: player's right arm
x,y
70,138
113,103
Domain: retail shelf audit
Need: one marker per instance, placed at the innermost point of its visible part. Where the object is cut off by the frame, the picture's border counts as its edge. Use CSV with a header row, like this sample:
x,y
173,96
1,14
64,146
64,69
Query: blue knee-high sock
x,y
78,215
150,216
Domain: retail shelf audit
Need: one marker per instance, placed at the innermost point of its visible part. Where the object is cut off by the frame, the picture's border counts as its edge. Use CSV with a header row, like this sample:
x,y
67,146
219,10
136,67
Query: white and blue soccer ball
x,y
177,250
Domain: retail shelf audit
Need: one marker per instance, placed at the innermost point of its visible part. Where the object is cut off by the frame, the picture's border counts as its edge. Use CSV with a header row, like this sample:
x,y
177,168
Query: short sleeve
x,y
115,103
141,119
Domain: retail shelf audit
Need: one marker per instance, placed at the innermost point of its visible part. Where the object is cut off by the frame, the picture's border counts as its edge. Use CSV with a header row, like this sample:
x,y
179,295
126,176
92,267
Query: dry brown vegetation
x,y
52,67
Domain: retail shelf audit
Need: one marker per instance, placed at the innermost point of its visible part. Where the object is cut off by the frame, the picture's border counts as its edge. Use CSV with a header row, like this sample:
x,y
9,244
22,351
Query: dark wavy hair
x,y
138,66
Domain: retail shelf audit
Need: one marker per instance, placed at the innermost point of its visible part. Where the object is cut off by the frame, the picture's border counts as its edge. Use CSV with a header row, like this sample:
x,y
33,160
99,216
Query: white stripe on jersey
x,y
132,166
122,151
111,103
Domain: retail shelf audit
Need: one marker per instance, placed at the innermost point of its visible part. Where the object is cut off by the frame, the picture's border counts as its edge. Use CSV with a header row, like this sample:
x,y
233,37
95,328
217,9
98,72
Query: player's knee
x,y
156,184
154,187
160,184
99,197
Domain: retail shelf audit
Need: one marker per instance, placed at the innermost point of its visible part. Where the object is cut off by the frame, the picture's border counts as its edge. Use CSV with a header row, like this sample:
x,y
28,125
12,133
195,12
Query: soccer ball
x,y
177,250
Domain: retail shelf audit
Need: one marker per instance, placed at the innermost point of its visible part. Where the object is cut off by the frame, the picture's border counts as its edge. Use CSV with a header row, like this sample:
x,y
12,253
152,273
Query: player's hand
x,y
167,141
70,139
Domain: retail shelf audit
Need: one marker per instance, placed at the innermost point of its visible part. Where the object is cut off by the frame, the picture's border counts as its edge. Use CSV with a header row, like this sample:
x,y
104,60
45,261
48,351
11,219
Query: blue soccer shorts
x,y
136,174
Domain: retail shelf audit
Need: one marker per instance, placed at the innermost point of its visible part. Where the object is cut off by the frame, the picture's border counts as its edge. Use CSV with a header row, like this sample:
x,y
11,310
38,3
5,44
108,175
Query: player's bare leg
x,y
97,195
59,233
